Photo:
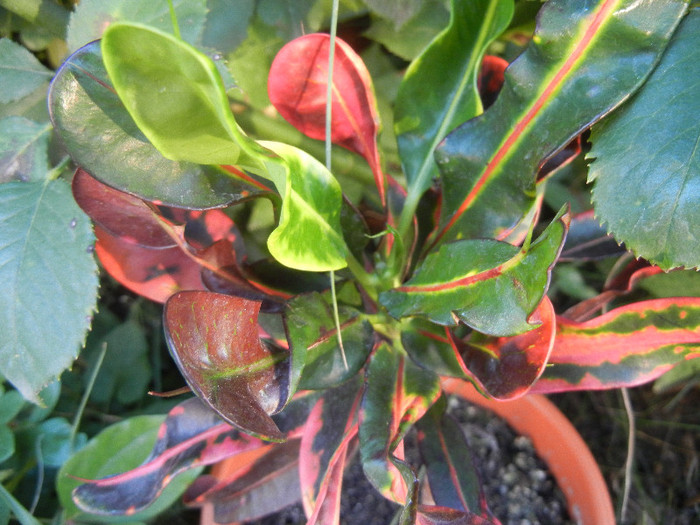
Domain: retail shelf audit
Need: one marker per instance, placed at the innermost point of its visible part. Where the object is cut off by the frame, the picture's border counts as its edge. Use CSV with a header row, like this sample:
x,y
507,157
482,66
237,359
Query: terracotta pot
x,y
559,445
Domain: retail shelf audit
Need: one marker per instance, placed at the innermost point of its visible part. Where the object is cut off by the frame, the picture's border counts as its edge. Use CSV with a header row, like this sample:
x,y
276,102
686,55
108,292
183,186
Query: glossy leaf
x,y
102,138
573,72
312,335
453,478
297,87
191,437
506,367
398,393
625,347
330,427
309,236
226,364
23,150
46,266
649,201
428,109
176,96
491,286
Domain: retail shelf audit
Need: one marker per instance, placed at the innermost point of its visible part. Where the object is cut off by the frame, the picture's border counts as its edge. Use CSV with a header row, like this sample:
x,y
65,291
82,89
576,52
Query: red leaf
x,y
506,367
214,340
628,346
297,88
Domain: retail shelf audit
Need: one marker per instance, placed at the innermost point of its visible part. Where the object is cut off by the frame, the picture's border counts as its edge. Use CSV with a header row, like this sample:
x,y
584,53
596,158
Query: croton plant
x,y
329,326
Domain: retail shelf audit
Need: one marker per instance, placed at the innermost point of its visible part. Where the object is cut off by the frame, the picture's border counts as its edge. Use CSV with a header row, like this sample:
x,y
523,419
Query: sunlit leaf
x,y
625,347
297,87
573,72
647,164
226,364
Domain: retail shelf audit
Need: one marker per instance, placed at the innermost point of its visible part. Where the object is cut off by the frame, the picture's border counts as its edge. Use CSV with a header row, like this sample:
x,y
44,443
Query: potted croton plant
x,y
337,327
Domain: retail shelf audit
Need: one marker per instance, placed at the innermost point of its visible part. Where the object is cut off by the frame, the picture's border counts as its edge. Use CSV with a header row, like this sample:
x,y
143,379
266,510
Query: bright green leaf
x,y
20,71
23,150
117,449
49,282
647,160
90,19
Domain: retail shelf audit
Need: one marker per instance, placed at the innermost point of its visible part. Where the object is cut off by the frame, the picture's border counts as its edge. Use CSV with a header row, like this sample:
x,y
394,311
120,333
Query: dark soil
x,y
518,487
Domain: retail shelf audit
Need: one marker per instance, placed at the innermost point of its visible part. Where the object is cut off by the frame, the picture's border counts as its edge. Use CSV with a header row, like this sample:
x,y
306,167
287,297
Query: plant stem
x,y
630,453
86,395
173,19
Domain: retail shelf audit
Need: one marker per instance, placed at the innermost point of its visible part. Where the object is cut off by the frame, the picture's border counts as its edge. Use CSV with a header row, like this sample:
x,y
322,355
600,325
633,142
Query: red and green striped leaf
x,y
398,393
506,367
215,343
625,347
331,425
192,435
585,59
489,285
297,86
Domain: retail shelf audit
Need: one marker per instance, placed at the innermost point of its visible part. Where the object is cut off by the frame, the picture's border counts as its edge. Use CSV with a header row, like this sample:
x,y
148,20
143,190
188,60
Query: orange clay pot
x,y
559,445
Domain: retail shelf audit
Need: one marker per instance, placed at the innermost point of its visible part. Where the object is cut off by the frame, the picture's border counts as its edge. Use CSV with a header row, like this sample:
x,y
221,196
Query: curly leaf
x,y
424,116
214,340
398,393
647,161
625,347
191,436
491,286
101,136
584,60
297,87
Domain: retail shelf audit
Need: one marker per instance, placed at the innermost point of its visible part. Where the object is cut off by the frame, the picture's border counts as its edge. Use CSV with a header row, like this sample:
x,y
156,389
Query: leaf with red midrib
x,y
297,87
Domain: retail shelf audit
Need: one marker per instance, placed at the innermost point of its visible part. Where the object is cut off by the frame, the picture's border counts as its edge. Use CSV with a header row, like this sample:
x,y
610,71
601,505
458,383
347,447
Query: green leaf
x,y
647,162
491,286
22,514
176,96
49,282
118,448
625,347
7,443
90,19
102,138
585,59
423,117
309,236
21,72
23,150
227,23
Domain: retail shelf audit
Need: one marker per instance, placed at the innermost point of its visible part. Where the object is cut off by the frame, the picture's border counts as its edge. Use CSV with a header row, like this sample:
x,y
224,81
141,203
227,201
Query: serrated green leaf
x,y
90,19
491,286
21,72
115,450
102,137
50,282
23,150
424,116
647,161
585,59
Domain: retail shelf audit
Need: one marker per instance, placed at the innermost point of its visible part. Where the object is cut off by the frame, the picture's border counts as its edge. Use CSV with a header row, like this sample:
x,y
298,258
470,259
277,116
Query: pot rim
x,y
559,445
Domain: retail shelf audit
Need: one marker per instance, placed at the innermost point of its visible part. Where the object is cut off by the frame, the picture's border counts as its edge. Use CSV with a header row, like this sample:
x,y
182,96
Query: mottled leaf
x,y
491,286
398,393
46,266
647,165
102,137
427,109
625,347
574,71
297,87
214,340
